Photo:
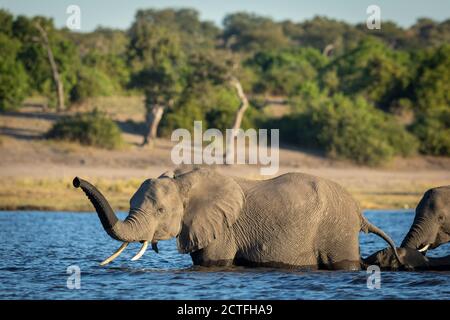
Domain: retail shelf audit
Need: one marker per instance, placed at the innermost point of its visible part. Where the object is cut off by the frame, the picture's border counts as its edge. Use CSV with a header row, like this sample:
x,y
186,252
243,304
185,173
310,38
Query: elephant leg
x,y
220,252
341,254
346,265
348,262
202,258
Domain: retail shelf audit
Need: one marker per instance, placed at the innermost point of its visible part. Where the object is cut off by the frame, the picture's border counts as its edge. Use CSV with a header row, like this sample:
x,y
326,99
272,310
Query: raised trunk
x,y
127,231
56,77
153,119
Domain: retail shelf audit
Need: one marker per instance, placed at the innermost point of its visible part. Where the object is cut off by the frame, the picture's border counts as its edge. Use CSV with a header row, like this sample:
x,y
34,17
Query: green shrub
x,y
431,92
91,83
433,130
431,87
214,105
13,79
92,129
372,70
281,72
346,128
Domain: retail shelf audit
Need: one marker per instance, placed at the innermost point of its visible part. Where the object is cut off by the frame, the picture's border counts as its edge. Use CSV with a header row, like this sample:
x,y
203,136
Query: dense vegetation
x,y
364,95
91,129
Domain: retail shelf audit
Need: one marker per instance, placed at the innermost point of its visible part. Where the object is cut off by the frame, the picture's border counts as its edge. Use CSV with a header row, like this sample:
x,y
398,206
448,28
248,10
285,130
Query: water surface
x,y
38,247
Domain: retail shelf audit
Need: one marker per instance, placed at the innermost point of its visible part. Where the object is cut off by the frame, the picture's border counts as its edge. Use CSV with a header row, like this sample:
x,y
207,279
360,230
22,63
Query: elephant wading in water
x,y
430,229
294,220
431,226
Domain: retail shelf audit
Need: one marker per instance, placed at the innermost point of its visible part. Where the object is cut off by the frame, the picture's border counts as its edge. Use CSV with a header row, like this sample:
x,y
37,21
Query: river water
x,y
38,248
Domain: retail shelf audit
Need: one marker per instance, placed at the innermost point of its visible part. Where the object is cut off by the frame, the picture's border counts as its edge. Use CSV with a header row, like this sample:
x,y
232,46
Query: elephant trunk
x,y
129,230
410,239
419,236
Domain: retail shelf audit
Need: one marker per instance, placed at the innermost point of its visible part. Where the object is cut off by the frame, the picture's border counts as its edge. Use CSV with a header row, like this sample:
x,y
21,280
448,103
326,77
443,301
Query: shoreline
x,y
36,173
373,189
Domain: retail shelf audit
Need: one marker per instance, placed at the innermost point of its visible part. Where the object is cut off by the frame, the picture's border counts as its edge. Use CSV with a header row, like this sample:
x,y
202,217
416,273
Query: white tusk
x,y
115,254
424,248
141,252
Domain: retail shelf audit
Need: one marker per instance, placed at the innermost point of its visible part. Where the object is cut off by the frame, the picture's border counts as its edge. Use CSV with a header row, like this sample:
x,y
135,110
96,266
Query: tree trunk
x,y
153,116
56,76
239,115
328,50
244,104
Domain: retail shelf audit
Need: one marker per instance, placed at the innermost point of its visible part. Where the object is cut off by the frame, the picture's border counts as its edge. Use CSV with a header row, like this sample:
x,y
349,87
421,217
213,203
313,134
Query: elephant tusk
x,y
424,248
141,252
115,254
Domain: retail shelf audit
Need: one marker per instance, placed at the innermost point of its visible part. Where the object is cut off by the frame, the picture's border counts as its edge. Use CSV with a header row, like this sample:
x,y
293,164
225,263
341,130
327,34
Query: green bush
x,y
13,79
433,130
99,75
372,70
91,83
281,72
431,87
348,129
92,129
214,105
431,96
34,58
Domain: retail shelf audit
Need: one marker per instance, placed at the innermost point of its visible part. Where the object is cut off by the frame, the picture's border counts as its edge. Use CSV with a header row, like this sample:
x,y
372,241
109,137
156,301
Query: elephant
x,y
412,260
431,225
294,220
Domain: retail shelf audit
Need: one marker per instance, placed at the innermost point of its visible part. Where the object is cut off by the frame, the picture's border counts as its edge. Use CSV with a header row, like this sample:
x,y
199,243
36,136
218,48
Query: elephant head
x,y
195,207
431,226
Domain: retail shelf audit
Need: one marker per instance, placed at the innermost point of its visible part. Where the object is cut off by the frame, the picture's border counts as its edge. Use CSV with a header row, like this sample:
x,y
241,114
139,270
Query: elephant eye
x,y
161,210
441,218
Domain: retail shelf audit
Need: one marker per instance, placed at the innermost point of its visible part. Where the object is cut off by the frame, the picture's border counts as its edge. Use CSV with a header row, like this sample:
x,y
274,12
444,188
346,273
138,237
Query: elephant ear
x,y
213,203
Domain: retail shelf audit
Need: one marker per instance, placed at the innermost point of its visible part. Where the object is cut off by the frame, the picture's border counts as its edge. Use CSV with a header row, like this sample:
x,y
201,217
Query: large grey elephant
x,y
293,220
431,226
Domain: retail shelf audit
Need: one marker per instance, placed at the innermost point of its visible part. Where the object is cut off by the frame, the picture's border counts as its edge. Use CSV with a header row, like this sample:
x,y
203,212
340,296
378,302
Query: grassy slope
x,y
59,194
37,174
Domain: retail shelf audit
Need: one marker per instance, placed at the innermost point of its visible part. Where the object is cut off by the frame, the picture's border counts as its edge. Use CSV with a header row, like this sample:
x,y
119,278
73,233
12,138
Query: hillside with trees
x,y
352,93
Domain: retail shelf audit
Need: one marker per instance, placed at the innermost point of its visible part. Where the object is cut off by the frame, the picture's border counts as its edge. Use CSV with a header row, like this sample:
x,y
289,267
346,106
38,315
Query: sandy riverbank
x,y
37,174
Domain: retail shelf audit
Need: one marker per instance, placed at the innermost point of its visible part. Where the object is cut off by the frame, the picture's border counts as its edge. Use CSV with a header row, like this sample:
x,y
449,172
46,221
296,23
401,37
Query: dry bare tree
x,y
239,114
51,59
328,50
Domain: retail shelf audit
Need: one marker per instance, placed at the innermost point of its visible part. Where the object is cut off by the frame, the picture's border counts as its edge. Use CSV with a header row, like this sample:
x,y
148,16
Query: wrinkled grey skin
x,y
294,220
412,260
431,224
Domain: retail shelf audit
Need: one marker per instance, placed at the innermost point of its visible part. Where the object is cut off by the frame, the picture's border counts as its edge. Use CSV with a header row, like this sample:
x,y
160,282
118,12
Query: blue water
x,y
38,247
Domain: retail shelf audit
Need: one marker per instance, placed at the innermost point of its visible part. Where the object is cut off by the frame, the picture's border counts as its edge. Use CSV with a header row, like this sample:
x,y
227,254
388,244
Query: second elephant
x,y
294,220
431,226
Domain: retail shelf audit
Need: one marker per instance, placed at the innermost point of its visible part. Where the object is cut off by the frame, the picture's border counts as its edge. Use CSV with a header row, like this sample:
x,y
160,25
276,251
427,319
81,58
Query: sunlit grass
x,y
60,195
395,196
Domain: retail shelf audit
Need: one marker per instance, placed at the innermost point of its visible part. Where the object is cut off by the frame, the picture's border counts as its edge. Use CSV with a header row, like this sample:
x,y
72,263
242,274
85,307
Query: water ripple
x,y
38,248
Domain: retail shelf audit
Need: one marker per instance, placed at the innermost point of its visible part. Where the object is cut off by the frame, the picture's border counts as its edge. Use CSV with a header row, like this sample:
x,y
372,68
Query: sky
x,y
120,14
